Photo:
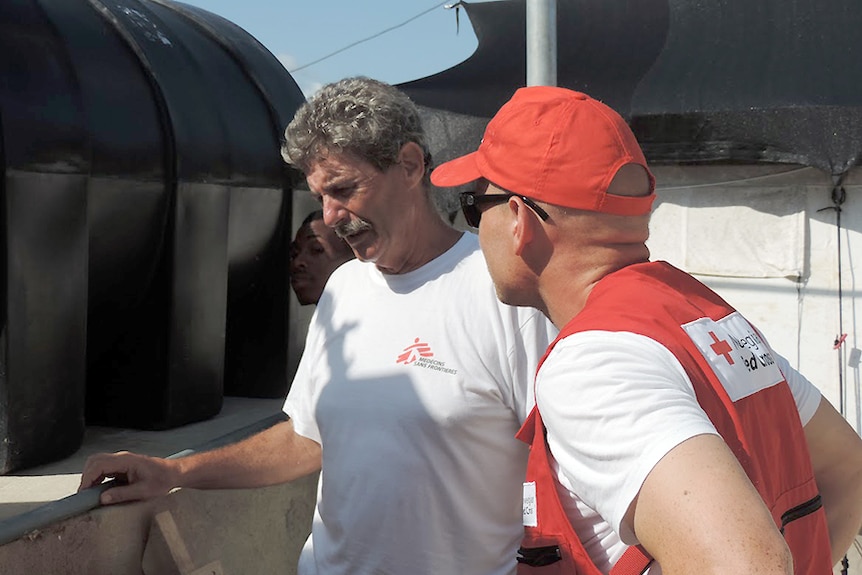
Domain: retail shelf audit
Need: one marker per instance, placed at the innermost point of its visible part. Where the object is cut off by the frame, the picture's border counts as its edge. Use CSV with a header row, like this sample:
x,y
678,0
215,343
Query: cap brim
x,y
456,172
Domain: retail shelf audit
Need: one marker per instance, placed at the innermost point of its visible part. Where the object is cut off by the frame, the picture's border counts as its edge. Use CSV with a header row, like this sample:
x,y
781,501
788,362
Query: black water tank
x,y
144,220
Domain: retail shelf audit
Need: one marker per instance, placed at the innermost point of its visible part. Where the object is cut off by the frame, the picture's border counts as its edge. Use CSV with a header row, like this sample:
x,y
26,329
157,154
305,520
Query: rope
x,y
729,182
376,35
839,195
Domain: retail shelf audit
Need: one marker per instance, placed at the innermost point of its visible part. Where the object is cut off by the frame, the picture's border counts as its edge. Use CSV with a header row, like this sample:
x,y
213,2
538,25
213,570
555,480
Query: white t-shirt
x,y
415,385
613,439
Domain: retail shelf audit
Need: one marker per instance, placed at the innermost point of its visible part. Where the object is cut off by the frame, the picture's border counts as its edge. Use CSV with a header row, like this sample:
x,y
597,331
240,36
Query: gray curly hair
x,y
367,118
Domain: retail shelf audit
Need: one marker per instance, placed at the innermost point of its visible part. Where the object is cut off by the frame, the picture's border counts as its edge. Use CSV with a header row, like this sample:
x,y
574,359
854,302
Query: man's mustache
x,y
351,228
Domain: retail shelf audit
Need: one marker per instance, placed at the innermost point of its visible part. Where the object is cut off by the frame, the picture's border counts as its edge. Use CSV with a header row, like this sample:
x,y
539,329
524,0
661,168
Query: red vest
x,y
736,383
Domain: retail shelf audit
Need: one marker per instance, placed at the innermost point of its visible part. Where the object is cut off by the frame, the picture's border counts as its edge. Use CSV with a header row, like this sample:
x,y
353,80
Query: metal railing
x,y
18,526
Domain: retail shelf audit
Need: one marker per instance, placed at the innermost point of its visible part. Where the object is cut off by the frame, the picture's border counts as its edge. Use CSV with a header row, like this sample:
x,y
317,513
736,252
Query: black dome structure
x,y
145,219
711,81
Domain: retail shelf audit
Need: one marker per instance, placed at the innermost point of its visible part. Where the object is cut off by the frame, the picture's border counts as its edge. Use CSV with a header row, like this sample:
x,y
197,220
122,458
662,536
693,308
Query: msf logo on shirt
x,y
419,354
413,352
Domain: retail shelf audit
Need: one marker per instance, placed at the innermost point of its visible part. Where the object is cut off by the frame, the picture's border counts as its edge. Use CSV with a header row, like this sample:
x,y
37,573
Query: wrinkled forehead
x,y
318,229
329,155
335,167
326,236
304,234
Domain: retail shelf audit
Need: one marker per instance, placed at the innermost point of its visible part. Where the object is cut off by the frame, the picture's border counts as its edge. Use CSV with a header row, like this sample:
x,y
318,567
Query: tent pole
x,y
541,42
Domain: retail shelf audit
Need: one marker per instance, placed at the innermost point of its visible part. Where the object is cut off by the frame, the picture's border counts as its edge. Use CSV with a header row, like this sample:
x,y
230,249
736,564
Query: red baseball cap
x,y
557,146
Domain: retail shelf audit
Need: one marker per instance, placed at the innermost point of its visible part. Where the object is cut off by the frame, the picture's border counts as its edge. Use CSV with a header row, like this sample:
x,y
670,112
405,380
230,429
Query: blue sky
x,y
301,31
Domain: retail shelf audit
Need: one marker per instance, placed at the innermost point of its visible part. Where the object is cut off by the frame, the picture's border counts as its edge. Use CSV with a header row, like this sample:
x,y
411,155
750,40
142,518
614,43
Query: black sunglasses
x,y
471,202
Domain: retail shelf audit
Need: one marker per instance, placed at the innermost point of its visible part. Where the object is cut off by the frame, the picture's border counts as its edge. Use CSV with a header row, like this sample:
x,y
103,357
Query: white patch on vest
x,y
530,517
742,360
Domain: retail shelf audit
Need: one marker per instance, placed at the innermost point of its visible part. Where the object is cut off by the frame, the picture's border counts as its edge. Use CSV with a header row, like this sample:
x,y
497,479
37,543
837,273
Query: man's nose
x,y
334,211
297,262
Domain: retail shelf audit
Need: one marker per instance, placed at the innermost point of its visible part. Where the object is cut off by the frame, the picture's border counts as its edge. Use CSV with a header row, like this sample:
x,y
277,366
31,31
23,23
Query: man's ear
x,y
411,158
523,224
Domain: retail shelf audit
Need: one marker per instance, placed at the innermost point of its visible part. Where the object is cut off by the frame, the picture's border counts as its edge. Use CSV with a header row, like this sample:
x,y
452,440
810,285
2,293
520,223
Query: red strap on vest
x,y
634,561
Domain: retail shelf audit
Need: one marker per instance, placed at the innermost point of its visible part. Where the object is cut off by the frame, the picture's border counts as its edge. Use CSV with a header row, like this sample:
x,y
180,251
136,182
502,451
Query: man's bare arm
x,y
836,454
275,455
697,512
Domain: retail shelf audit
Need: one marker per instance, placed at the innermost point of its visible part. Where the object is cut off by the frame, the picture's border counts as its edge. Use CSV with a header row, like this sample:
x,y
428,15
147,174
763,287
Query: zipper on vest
x,y
801,511
539,556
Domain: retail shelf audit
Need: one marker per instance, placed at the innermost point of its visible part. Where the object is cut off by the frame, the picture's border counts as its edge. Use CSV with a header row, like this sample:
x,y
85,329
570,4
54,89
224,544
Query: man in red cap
x,y
665,426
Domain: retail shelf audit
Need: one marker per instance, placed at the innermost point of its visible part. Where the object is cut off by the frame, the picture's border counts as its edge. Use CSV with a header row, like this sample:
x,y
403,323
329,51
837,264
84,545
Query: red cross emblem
x,y
721,347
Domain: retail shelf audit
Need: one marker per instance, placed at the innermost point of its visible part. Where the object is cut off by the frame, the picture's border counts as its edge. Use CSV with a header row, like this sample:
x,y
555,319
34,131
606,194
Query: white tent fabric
x,y
732,232
765,238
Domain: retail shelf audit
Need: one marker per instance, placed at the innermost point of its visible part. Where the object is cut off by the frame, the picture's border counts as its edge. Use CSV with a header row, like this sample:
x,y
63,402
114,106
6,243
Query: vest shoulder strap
x,y
634,561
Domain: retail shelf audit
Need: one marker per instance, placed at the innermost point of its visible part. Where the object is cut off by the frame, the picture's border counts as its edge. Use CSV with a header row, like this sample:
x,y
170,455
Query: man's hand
x,y
140,477
274,455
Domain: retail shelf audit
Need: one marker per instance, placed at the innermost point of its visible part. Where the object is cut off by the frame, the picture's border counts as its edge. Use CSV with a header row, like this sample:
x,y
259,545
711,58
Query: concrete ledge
x,y
27,489
250,531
